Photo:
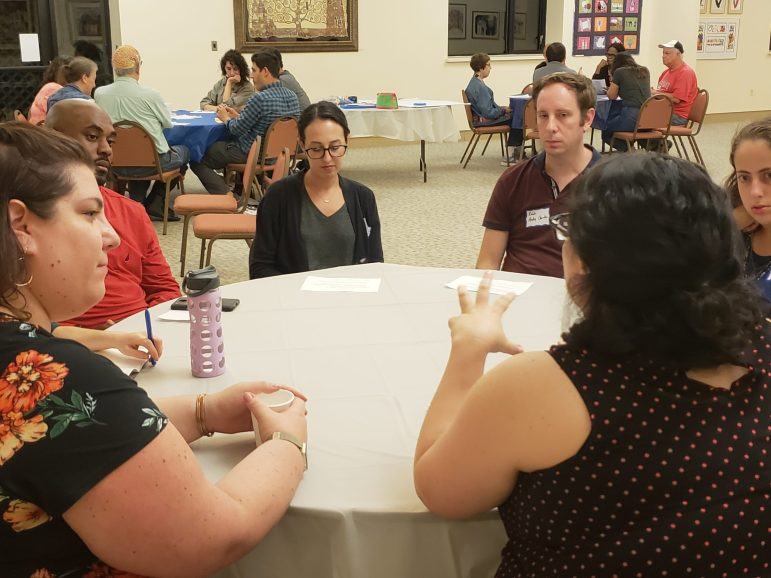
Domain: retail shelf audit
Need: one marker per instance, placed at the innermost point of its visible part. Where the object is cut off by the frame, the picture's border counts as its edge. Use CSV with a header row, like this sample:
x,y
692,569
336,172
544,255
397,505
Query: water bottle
x,y
204,304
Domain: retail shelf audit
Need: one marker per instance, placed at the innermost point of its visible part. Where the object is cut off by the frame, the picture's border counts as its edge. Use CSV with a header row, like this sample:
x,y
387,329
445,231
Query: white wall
x,y
403,48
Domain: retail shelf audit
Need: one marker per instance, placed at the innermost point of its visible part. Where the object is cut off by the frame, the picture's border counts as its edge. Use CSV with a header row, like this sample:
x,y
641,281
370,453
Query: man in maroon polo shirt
x,y
517,235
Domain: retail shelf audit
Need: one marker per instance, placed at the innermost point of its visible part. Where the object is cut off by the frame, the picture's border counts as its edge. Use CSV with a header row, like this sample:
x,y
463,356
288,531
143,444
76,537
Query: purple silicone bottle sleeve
x,y
207,348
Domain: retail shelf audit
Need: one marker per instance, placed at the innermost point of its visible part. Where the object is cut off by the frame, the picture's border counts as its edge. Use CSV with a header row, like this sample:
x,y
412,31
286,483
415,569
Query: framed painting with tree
x,y
296,25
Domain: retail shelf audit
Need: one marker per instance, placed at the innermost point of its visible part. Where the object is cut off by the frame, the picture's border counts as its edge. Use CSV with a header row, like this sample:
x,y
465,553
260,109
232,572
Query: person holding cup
x,y
96,477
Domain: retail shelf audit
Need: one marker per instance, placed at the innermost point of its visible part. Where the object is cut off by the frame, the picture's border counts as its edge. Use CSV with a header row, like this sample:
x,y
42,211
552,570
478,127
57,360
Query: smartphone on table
x,y
228,304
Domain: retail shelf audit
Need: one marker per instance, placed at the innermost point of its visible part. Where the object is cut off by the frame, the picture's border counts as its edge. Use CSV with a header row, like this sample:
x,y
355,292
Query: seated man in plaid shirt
x,y
271,101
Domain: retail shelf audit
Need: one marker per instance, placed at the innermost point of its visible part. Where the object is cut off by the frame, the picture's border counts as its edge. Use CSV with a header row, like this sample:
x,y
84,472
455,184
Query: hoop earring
x,y
28,281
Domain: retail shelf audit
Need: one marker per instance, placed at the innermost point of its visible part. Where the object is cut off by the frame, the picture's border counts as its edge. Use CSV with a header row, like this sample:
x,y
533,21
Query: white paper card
x,y
341,284
30,47
499,286
183,117
174,315
537,218
128,365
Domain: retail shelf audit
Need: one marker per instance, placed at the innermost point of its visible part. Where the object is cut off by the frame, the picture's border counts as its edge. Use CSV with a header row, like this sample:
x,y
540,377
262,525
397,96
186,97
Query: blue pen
x,y
149,326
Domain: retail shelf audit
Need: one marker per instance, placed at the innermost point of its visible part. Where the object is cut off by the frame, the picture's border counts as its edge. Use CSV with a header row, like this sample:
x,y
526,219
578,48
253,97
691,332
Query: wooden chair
x,y
527,89
478,131
530,129
693,128
19,116
211,227
653,123
281,134
189,206
134,147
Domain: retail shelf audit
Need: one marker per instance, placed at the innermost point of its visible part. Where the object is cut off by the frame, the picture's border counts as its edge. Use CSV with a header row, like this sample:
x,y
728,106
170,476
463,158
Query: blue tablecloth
x,y
603,109
197,134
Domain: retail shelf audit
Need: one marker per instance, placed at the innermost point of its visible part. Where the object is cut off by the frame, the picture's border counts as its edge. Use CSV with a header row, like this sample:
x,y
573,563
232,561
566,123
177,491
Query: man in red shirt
x,y
678,82
138,275
527,195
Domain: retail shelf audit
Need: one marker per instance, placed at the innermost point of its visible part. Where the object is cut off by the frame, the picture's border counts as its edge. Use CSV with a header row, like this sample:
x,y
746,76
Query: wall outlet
x,y
214,46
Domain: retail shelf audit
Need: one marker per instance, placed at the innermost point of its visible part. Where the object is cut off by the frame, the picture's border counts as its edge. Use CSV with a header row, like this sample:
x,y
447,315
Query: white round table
x,y
369,364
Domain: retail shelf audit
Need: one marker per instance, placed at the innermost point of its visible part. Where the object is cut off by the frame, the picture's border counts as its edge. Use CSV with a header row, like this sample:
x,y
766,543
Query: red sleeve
x,y
685,87
157,280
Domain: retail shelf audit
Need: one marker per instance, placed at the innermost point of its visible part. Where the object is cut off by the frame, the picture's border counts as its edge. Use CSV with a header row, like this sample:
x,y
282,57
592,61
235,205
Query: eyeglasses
x,y
559,223
319,152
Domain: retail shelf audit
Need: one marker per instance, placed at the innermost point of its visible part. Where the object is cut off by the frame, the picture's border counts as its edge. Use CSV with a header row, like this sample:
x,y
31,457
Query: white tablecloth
x,y
369,363
406,123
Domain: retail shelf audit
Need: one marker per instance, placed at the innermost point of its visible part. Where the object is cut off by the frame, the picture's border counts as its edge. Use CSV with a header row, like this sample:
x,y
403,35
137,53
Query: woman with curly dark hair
x,y
234,88
639,446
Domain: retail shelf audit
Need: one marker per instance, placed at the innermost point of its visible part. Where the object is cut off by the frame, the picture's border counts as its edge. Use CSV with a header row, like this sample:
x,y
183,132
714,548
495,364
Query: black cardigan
x,y
278,246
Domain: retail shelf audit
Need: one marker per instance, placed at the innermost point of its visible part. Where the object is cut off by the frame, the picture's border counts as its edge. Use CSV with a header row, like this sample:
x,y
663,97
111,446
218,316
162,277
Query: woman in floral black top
x,y
95,476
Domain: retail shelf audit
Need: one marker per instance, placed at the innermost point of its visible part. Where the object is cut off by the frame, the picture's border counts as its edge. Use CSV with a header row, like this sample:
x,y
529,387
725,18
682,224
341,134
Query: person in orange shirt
x,y
53,80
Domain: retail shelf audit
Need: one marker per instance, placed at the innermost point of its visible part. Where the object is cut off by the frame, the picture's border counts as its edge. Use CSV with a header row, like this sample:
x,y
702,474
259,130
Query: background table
x,y
429,122
197,134
369,364
603,109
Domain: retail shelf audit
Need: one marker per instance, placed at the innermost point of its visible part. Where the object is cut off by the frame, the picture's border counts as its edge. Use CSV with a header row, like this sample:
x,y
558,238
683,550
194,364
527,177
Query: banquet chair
x,y
695,119
478,131
19,116
653,123
529,129
134,147
282,133
189,206
212,227
527,89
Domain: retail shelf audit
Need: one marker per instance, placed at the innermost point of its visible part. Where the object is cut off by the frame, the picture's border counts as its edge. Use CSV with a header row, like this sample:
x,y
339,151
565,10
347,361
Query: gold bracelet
x,y
200,415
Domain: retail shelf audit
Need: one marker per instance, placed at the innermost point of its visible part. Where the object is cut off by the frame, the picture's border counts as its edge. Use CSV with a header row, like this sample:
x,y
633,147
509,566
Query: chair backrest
x,y
252,162
530,119
699,106
528,89
280,168
133,147
282,133
467,106
655,113
19,116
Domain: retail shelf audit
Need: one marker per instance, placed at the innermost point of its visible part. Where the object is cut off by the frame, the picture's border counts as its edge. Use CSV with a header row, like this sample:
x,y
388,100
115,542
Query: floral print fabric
x,y
68,417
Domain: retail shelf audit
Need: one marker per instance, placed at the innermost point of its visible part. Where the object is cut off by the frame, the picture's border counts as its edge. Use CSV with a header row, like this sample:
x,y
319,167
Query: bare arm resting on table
x,y
127,343
492,250
482,430
186,515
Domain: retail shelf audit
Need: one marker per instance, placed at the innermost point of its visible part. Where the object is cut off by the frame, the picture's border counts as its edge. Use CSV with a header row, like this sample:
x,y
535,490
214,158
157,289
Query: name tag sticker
x,y
537,218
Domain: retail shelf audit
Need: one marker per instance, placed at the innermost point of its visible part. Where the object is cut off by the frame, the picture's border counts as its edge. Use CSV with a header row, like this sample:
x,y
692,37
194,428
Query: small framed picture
x,y
601,24
630,24
633,6
600,6
616,24
584,24
717,6
485,25
599,43
735,6
617,6
630,41
456,21
520,26
703,6
583,43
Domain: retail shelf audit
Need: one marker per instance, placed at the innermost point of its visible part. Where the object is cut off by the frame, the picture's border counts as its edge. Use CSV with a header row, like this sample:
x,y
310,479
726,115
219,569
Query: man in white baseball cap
x,y
678,82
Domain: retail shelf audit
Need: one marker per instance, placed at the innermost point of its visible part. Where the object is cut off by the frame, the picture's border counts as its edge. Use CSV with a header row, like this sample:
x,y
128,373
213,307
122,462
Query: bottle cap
x,y
199,281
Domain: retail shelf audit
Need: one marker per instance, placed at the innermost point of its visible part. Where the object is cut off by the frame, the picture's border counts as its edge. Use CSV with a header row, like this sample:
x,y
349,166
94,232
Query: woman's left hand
x,y
129,344
226,410
479,324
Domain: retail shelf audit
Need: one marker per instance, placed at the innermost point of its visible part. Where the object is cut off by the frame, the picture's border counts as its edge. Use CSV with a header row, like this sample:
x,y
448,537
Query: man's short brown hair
x,y
586,96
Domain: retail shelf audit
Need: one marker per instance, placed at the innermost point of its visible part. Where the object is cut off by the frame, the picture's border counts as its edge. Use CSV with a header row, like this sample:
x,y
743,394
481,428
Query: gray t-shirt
x,y
631,89
287,79
328,240
550,68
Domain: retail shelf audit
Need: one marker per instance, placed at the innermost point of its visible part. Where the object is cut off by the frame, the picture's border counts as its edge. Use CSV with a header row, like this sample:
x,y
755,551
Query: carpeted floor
x,y
437,223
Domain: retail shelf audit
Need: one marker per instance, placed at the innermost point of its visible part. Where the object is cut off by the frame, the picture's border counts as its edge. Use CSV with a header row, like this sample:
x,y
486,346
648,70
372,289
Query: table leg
x,y
423,165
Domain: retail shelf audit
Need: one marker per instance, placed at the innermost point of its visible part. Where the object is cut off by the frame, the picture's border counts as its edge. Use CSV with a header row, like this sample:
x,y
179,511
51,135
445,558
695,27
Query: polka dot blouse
x,y
673,479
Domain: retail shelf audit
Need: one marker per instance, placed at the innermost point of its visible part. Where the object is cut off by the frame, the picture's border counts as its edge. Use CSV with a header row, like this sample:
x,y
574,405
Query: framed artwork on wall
x,y
717,6
735,6
703,6
296,25
520,26
485,25
86,20
717,38
600,23
456,21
